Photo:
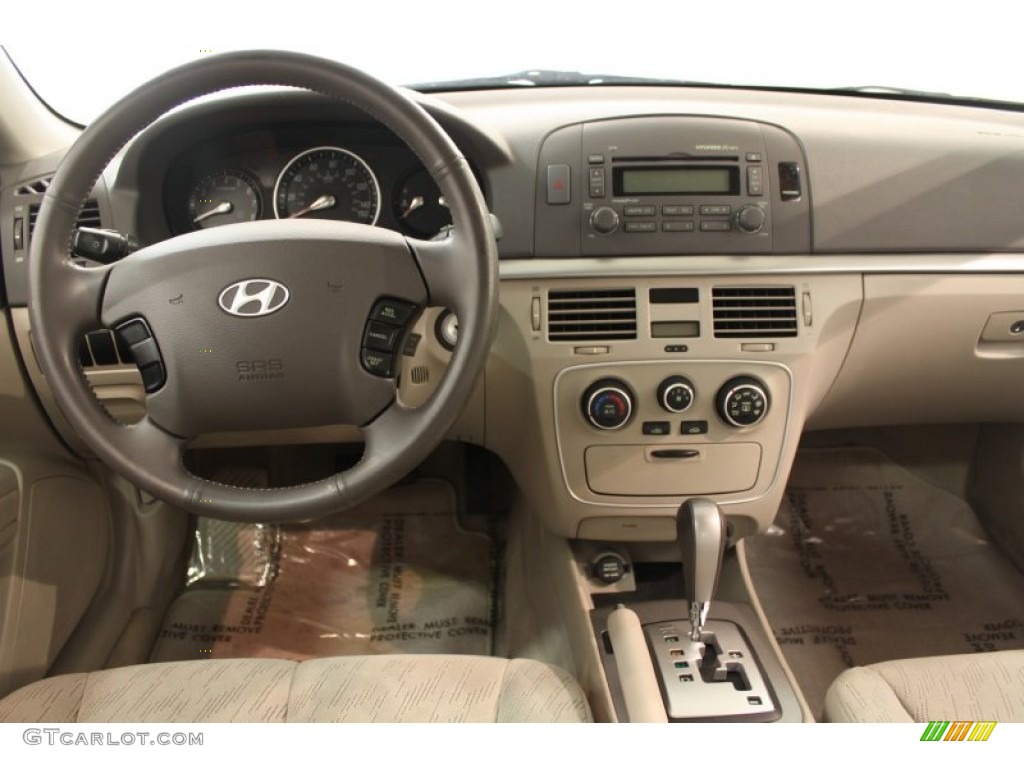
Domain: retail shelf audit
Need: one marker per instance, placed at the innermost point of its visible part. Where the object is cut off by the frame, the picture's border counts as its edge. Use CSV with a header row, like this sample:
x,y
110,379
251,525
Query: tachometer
x,y
327,183
419,206
224,197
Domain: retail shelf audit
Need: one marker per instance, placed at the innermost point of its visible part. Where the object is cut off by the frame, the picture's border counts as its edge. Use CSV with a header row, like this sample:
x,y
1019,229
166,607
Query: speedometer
x,y
327,183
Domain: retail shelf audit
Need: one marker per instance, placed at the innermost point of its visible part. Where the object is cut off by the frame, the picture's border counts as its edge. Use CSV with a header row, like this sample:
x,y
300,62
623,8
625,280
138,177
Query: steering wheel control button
x,y
381,336
153,377
392,311
693,428
133,331
608,404
658,428
379,363
675,394
742,402
146,353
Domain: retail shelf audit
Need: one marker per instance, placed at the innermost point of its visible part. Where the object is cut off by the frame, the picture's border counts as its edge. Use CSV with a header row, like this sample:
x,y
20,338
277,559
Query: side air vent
x,y
754,313
592,315
89,216
37,187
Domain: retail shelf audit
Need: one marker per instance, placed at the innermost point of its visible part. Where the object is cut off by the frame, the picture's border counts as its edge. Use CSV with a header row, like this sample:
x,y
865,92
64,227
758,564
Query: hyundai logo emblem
x,y
253,298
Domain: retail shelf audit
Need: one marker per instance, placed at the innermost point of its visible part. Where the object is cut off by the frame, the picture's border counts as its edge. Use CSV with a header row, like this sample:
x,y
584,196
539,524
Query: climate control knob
x,y
608,404
604,220
742,401
751,219
675,394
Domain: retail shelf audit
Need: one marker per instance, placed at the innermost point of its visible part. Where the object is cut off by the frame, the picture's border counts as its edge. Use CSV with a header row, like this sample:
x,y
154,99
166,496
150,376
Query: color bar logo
x,y
960,730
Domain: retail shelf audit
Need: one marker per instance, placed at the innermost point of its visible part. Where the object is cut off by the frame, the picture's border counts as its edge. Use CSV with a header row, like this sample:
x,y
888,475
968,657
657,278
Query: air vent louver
x,y
754,312
608,315
89,216
37,187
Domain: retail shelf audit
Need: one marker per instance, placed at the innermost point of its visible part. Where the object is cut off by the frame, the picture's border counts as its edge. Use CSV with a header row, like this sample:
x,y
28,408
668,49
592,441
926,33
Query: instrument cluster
x,y
345,173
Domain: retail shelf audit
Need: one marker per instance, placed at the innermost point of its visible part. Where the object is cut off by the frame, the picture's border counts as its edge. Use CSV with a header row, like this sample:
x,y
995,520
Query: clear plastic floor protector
x,y
395,575
866,562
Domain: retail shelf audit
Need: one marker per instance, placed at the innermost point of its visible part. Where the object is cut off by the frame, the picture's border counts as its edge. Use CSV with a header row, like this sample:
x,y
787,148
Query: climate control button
x,y
743,401
608,404
675,394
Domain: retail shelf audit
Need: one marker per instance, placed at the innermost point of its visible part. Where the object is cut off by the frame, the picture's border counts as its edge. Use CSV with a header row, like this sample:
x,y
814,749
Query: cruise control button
x,y
392,311
133,331
153,376
381,336
379,363
146,353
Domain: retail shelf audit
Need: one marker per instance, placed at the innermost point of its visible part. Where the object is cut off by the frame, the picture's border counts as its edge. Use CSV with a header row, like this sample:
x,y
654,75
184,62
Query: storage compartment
x,y
672,470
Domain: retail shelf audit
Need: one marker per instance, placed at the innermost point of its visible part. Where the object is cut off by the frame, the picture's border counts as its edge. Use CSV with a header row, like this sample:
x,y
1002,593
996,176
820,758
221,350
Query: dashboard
x,y
690,278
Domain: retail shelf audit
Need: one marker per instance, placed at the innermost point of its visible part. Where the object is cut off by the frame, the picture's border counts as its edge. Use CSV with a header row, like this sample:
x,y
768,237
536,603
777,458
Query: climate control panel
x,y
670,429
740,402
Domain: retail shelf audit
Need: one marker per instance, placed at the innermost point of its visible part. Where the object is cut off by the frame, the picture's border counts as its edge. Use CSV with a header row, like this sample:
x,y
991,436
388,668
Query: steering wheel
x,y
267,324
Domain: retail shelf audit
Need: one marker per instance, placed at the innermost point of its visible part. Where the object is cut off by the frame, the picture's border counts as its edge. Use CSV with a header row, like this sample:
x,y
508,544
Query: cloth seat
x,y
975,686
346,689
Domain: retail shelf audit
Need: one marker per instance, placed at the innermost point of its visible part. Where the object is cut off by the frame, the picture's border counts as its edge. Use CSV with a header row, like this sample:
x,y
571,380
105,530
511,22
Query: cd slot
x,y
681,157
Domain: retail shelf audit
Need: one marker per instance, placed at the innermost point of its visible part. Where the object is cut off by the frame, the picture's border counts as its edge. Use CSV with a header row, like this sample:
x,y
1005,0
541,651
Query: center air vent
x,y
754,313
592,315
89,216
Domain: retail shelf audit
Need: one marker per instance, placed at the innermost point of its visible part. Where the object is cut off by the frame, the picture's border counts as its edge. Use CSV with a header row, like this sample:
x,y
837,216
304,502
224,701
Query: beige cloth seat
x,y
977,686
345,689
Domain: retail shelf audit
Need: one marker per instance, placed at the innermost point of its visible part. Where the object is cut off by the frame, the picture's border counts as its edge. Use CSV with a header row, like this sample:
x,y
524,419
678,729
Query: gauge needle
x,y
414,205
324,201
225,207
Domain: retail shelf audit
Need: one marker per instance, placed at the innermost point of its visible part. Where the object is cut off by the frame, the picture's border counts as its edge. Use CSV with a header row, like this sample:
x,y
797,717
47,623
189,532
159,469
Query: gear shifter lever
x,y
700,528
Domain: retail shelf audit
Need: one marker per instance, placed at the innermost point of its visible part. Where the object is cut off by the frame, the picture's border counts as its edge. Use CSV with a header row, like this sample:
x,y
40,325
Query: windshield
x,y
870,46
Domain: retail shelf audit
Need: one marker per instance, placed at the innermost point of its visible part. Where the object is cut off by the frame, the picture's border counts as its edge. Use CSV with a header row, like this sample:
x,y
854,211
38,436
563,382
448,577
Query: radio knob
x,y
751,219
608,403
604,220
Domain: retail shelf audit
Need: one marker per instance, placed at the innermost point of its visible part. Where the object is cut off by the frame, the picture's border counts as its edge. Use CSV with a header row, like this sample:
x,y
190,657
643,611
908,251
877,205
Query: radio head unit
x,y
672,185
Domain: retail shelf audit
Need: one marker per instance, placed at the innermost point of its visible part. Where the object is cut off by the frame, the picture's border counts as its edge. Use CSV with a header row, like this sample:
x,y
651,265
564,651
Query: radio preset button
x,y
715,210
639,210
715,226
677,226
677,210
641,226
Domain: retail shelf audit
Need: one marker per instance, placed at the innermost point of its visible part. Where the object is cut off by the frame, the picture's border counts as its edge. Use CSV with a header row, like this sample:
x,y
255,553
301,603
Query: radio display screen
x,y
677,180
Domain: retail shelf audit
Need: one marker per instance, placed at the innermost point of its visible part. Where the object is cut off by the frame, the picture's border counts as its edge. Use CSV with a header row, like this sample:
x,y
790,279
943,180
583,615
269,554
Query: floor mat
x,y
867,562
394,576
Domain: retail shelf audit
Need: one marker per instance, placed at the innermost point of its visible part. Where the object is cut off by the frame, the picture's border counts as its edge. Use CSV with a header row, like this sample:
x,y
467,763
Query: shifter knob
x,y
700,527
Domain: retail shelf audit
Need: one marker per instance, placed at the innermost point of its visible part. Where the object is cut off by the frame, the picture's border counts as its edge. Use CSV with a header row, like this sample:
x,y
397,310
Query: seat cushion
x,y
977,686
346,689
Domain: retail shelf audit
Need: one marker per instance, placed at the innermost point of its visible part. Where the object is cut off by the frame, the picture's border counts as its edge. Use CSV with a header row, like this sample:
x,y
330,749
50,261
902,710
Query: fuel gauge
x,y
224,197
418,205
